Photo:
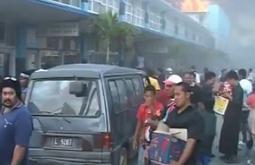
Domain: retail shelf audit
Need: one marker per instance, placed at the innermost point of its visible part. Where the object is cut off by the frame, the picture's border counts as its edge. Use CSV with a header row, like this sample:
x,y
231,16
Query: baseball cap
x,y
11,82
173,79
169,70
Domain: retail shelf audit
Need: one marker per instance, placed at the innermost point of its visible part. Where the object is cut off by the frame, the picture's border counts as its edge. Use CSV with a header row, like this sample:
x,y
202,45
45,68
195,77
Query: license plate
x,y
63,142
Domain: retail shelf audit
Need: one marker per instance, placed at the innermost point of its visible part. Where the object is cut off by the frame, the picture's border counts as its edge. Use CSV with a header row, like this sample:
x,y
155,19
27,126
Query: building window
x,y
2,31
146,17
53,43
67,43
171,24
70,43
186,33
129,13
113,6
194,37
110,2
98,6
66,2
134,14
74,3
154,21
122,8
163,23
102,6
176,29
138,16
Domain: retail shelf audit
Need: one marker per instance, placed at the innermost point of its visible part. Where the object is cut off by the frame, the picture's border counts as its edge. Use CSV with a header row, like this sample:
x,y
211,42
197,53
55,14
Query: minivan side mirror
x,y
77,88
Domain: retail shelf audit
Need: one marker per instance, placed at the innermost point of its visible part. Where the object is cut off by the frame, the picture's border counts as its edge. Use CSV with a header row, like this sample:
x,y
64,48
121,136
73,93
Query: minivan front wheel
x,y
123,157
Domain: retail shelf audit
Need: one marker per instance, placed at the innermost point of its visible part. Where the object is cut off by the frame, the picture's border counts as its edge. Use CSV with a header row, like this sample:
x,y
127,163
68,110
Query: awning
x,y
35,11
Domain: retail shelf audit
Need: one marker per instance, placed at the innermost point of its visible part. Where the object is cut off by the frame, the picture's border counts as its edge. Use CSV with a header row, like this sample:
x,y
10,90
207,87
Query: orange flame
x,y
194,6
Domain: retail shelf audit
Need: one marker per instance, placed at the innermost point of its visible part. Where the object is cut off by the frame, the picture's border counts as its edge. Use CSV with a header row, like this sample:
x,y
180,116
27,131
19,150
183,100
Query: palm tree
x,y
109,29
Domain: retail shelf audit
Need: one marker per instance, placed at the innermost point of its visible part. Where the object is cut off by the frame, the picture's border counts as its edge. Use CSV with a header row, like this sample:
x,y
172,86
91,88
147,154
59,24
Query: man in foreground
x,y
15,124
186,117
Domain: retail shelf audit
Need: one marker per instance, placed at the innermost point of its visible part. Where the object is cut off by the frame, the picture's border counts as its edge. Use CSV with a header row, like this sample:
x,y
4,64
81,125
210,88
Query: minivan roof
x,y
84,70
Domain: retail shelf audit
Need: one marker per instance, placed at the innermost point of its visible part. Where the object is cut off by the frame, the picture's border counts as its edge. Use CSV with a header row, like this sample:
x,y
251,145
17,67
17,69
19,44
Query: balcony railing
x,y
173,24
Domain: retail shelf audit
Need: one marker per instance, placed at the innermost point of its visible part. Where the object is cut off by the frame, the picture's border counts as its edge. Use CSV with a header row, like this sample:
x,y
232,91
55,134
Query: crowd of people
x,y
183,100
187,101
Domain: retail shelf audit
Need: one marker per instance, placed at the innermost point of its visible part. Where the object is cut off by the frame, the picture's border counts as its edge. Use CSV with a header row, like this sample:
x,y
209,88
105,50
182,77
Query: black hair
x,y
150,72
242,73
253,88
150,88
209,75
185,86
232,75
13,83
160,70
190,73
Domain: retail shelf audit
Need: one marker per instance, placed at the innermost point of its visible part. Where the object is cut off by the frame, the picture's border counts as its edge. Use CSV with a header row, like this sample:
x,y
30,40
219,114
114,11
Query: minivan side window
x,y
131,92
125,93
122,94
114,95
130,85
138,87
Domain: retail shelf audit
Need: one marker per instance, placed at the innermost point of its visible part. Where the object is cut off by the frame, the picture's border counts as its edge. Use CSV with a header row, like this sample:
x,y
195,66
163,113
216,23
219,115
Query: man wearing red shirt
x,y
148,112
165,95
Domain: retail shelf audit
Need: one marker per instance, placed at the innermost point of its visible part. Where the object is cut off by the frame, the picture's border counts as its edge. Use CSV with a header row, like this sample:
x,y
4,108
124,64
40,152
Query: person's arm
x,y
136,139
194,134
237,98
139,125
23,130
187,152
18,155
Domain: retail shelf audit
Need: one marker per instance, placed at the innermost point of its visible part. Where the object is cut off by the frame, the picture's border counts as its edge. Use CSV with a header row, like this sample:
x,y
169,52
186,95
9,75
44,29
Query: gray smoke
x,y
242,40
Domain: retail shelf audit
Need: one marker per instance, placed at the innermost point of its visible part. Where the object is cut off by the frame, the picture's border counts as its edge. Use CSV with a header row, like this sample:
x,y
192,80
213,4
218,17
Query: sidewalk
x,y
216,160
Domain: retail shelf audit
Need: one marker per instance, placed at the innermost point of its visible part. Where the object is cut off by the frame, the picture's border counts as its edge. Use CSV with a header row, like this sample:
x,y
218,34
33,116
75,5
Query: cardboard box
x,y
166,146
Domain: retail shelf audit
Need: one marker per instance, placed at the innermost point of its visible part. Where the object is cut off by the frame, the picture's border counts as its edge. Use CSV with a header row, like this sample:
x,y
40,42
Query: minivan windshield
x,y
53,97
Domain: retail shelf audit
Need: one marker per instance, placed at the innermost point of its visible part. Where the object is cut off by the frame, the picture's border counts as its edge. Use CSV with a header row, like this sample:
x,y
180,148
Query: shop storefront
x,y
56,44
6,61
39,34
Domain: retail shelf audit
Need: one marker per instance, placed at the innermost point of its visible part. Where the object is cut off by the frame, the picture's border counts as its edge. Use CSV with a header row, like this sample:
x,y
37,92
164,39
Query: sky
x,y
242,37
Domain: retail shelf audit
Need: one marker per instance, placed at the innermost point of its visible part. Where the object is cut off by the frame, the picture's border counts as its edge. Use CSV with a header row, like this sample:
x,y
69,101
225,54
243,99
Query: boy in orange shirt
x,y
148,112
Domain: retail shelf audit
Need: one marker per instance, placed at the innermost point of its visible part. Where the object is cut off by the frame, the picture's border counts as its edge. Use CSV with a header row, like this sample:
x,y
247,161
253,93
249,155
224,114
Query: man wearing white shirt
x,y
197,75
251,75
247,88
